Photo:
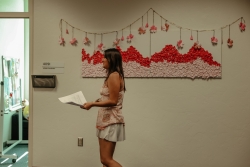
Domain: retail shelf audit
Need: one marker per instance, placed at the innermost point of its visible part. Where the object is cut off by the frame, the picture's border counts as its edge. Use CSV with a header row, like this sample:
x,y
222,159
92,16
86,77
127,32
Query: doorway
x,y
15,47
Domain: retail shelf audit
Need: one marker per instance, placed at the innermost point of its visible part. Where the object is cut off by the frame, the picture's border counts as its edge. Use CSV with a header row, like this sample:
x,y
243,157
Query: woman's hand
x,y
87,105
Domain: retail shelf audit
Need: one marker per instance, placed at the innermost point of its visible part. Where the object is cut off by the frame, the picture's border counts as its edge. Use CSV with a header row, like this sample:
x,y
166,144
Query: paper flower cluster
x,y
167,63
242,26
101,47
214,40
122,38
73,41
165,27
61,41
142,30
86,41
130,37
229,42
153,29
191,37
197,45
180,44
116,42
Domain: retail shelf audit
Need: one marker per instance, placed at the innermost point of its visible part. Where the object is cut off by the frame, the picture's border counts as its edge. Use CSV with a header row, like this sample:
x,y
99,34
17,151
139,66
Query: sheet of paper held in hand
x,y
77,99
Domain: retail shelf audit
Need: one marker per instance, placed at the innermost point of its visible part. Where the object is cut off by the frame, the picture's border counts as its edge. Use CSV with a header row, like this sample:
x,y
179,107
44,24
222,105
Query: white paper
x,y
77,99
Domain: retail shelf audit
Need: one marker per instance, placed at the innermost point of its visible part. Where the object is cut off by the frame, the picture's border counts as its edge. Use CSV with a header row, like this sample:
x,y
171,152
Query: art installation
x,y
168,62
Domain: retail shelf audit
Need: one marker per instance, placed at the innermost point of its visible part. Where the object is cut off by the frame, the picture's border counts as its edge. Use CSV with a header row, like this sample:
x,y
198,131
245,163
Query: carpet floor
x,y
21,150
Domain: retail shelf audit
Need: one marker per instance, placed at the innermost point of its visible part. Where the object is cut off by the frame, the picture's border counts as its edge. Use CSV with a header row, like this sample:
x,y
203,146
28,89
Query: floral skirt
x,y
113,133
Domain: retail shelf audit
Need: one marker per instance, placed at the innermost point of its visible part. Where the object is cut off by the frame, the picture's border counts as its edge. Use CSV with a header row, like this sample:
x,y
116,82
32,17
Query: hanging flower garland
x,y
197,63
153,29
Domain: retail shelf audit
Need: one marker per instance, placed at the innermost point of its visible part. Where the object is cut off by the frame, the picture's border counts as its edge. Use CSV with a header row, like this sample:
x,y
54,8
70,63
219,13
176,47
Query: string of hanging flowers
x,y
143,29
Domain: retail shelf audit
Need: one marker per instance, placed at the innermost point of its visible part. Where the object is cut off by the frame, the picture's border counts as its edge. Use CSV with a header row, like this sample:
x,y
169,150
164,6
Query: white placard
x,y
53,67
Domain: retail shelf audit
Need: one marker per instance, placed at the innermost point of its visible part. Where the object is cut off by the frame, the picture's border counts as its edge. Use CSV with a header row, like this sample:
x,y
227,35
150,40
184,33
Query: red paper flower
x,y
67,31
73,41
229,42
214,40
146,26
153,29
242,26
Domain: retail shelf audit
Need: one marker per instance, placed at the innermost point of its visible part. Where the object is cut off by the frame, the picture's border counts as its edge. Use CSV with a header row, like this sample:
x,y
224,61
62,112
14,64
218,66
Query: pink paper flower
x,y
101,47
129,38
67,31
116,42
142,30
146,26
61,41
214,40
242,26
197,45
73,41
191,38
180,44
153,29
229,42
86,41
165,27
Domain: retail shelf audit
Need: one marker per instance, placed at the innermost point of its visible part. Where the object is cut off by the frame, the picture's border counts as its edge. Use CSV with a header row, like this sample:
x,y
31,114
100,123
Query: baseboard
x,y
13,141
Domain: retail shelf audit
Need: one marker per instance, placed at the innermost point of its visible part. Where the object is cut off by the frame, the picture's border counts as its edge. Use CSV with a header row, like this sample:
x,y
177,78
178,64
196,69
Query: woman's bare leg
x,y
107,149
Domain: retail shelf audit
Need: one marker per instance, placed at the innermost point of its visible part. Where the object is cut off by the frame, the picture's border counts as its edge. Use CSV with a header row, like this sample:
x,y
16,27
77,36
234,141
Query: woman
x,y
110,121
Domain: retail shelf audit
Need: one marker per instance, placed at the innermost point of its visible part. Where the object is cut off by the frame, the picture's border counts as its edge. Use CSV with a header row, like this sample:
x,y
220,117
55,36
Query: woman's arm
x,y
114,88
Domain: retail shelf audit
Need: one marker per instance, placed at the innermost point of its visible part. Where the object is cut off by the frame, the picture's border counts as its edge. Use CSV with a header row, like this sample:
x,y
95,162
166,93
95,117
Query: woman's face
x,y
105,63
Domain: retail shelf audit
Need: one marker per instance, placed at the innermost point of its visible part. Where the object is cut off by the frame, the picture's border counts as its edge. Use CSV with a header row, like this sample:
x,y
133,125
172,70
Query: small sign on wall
x,y
53,67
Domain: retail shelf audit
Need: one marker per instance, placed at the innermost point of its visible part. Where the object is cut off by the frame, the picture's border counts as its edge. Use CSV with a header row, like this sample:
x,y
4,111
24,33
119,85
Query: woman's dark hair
x,y
114,58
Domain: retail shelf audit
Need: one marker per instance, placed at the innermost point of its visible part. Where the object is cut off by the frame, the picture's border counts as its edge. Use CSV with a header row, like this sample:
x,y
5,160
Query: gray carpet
x,y
21,150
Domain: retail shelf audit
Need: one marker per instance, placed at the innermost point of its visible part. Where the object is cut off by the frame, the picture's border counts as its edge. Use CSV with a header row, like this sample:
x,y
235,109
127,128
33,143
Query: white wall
x,y
169,122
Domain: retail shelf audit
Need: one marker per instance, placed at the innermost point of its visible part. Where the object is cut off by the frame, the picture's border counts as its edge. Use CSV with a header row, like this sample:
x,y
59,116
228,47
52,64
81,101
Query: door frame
x,y
30,16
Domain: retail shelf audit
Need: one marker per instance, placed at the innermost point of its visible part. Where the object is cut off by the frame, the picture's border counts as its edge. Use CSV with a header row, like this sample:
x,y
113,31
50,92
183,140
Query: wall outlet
x,y
80,141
